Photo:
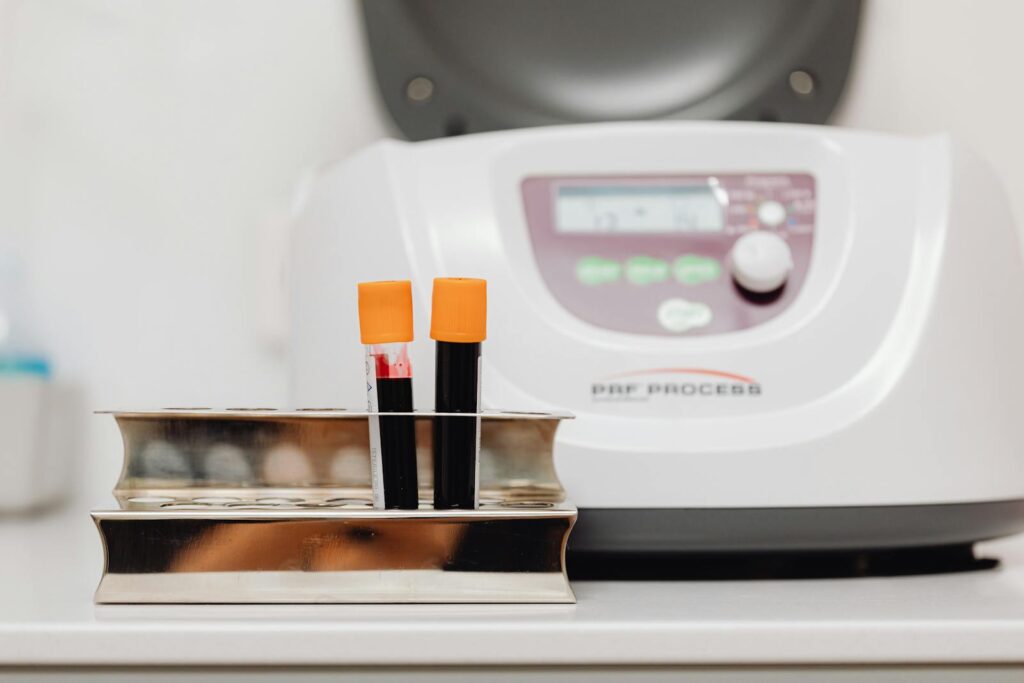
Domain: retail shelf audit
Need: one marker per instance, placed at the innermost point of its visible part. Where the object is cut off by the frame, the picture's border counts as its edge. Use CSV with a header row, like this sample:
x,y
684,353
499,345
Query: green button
x,y
644,270
594,270
691,269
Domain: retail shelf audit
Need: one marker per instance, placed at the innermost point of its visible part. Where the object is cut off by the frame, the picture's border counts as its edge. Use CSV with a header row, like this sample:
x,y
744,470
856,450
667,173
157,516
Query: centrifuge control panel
x,y
679,255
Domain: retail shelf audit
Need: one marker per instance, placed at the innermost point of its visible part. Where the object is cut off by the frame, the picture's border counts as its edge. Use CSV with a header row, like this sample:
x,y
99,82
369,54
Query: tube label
x,y
372,405
476,462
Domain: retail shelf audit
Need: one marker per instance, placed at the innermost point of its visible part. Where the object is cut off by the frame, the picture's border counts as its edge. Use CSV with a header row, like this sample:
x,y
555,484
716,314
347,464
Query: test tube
x,y
458,323
385,328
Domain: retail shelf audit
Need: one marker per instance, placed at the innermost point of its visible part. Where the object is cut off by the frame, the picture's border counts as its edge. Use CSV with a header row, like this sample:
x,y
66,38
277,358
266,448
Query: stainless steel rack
x,y
262,506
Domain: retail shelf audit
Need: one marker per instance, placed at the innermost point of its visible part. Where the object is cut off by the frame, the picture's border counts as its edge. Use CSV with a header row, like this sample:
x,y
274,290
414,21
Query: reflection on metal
x,y
274,506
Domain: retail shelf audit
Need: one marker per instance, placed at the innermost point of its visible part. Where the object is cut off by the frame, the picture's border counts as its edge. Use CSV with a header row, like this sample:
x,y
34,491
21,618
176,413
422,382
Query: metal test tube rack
x,y
274,506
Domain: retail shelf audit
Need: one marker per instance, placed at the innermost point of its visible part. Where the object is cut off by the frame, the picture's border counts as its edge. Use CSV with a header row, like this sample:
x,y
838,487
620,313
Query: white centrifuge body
x,y
771,335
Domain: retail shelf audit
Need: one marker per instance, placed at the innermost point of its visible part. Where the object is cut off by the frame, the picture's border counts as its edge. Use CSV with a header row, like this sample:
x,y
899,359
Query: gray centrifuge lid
x,y
452,66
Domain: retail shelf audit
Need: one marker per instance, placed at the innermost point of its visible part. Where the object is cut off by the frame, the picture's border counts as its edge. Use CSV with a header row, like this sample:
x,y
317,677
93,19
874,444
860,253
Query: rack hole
x,y
527,504
215,500
253,506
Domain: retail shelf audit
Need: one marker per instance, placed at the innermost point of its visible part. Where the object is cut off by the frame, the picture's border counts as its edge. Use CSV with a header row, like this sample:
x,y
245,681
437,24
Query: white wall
x,y
926,66
146,146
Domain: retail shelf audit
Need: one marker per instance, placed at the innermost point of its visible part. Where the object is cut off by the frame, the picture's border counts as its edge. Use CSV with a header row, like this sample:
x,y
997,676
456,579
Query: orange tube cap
x,y
459,310
385,312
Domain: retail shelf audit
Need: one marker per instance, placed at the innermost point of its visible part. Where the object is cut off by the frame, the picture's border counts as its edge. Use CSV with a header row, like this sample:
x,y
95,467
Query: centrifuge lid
x,y
447,67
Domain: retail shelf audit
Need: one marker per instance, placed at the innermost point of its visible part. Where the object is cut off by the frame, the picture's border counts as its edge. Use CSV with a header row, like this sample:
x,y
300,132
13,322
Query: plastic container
x,y
385,326
30,457
458,324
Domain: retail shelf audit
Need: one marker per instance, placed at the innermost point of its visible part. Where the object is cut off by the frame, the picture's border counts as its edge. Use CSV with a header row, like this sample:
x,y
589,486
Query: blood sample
x,y
458,323
385,328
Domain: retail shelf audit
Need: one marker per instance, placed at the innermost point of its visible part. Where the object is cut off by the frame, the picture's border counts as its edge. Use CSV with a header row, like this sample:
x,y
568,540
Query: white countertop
x,y
50,568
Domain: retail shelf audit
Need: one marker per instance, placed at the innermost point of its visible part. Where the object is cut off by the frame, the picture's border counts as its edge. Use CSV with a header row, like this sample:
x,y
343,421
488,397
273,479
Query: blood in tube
x,y
385,321
458,324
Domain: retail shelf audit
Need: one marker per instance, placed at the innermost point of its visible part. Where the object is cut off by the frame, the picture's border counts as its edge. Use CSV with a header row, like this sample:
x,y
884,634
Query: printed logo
x,y
668,383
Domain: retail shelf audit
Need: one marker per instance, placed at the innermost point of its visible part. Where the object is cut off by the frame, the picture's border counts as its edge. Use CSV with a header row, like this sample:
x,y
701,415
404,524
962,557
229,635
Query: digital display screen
x,y
638,209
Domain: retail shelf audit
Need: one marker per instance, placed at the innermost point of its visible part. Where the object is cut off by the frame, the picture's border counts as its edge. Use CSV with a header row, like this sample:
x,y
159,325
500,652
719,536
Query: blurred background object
x,y
149,153
448,67
34,475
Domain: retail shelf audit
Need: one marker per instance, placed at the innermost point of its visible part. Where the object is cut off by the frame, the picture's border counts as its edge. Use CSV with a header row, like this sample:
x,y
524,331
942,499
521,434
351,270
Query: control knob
x,y
760,262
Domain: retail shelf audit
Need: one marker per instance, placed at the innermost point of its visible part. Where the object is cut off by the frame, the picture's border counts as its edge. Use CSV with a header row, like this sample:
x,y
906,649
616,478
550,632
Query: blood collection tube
x,y
385,327
458,323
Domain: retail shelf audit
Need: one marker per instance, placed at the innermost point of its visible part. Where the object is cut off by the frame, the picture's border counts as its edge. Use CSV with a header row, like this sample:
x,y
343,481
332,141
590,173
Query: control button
x,y
771,213
594,270
760,261
690,269
644,270
680,315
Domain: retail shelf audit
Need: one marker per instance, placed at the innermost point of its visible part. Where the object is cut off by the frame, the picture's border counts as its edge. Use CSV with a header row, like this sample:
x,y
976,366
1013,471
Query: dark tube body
x,y
398,444
456,439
